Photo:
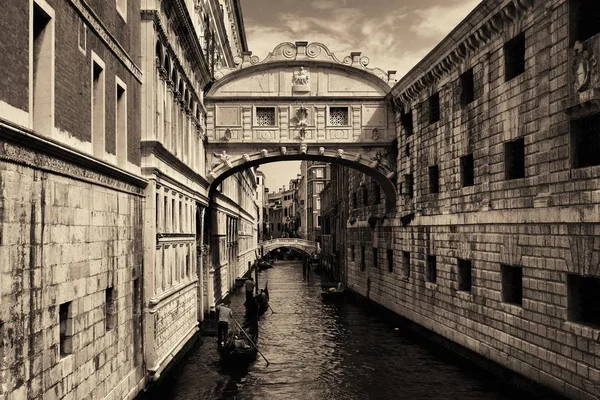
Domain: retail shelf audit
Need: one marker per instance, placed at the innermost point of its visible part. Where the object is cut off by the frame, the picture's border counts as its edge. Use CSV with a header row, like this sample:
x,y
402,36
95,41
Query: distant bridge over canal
x,y
304,245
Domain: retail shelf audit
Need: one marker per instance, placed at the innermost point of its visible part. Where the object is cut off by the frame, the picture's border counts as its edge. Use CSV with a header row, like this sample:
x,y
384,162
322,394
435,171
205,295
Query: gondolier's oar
x,y
272,312
253,344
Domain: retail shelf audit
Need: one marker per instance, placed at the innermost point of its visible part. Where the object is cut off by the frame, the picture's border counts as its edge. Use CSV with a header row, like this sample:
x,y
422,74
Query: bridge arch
x,y
303,245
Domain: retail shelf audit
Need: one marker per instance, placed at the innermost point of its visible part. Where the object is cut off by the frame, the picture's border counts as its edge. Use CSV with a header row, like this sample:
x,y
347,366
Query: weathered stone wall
x,y
68,240
544,223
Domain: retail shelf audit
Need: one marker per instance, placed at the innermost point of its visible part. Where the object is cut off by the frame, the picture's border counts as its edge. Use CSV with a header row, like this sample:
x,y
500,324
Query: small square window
x,y
406,264
431,269
583,299
514,159
512,284
467,86
467,172
434,179
66,329
464,275
434,108
585,141
265,116
407,121
338,116
514,57
390,260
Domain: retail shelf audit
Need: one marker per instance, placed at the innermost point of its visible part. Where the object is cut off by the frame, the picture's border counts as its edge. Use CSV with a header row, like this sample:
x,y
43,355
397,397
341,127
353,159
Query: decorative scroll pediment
x,y
302,51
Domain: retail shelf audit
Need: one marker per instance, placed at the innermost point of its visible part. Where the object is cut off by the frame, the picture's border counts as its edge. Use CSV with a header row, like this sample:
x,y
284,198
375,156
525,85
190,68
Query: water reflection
x,y
323,351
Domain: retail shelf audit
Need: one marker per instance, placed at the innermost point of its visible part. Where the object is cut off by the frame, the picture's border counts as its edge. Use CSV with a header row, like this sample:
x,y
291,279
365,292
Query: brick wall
x,y
545,223
66,240
14,66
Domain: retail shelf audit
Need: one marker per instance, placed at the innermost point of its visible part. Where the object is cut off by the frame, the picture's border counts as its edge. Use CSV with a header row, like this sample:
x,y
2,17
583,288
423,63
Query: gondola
x,y
260,304
262,265
238,349
333,293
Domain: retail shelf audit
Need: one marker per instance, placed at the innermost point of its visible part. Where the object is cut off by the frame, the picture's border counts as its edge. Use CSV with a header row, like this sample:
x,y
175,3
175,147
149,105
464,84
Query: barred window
x,y
265,116
338,116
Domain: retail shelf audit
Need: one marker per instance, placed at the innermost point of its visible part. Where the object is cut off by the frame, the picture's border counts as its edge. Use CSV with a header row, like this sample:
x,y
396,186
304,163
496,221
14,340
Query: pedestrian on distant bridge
x,y
249,285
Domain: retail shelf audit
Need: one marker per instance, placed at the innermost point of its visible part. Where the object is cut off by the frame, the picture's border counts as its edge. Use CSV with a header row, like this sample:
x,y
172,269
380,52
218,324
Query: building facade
x,y
316,175
72,200
496,242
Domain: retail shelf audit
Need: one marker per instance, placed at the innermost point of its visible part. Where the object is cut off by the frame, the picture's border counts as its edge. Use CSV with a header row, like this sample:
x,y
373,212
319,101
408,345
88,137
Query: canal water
x,y
325,351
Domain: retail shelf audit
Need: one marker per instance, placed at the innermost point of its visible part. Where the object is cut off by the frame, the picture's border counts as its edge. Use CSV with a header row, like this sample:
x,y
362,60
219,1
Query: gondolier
x,y
225,314
249,285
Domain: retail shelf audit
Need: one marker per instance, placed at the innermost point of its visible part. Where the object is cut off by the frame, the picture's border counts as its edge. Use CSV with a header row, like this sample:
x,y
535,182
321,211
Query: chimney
x,y
391,76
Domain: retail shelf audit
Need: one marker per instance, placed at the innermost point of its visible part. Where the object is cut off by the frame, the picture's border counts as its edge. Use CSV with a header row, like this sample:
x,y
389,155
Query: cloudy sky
x,y
394,34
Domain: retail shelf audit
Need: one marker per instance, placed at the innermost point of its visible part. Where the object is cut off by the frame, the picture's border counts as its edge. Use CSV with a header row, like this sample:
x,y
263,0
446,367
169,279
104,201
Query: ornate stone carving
x,y
380,160
301,78
585,67
340,153
283,150
303,149
375,134
264,153
227,135
321,151
220,159
357,157
246,157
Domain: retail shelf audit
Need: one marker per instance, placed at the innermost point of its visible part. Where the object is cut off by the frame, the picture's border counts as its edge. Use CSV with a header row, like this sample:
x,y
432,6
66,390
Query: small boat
x,y
262,265
238,349
333,293
260,304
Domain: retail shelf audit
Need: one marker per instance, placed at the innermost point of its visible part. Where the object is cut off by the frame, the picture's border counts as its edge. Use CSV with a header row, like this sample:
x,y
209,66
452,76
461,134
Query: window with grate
x,y
514,159
464,275
514,57
467,85
586,19
512,284
585,142
338,116
431,269
583,299
467,171
265,116
434,108
434,179
406,264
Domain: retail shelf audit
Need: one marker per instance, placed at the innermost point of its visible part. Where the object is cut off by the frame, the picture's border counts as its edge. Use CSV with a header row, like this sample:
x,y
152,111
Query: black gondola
x,y
238,349
262,265
260,303
333,293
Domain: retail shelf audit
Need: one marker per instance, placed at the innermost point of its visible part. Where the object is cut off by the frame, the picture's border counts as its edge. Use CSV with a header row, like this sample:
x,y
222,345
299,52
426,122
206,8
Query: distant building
x,y
315,175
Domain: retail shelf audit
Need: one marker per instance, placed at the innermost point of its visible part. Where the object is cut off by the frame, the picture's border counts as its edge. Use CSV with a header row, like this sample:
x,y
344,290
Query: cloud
x,y
437,21
328,4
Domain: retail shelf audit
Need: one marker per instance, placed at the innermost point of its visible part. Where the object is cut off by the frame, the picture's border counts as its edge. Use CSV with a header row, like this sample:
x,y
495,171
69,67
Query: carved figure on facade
x,y
227,135
220,159
301,77
380,160
303,149
283,150
302,117
321,151
340,153
585,67
264,153
246,157
375,134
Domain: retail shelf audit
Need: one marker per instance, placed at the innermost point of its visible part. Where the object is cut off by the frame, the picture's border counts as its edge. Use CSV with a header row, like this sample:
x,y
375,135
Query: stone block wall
x,y
494,265
70,250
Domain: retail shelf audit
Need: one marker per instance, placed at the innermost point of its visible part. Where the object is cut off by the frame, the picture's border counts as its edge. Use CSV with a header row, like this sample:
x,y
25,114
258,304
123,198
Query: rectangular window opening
x,y
173,220
377,191
121,125
82,36
43,68
365,192
406,264
586,19
434,108
408,185
375,257
512,284
110,312
464,275
434,179
354,200
66,329
265,116
585,141
583,301
352,252
514,57
431,269
137,297
406,119
467,170
390,260
467,86
514,159
98,110
338,116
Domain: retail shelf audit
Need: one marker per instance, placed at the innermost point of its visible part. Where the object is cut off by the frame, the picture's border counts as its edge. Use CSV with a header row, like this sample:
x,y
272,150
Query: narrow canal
x,y
325,351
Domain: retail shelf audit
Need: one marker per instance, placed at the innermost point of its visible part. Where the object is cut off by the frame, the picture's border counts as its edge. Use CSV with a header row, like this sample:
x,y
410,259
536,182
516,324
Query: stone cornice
x,y
485,22
240,24
155,147
98,27
24,146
